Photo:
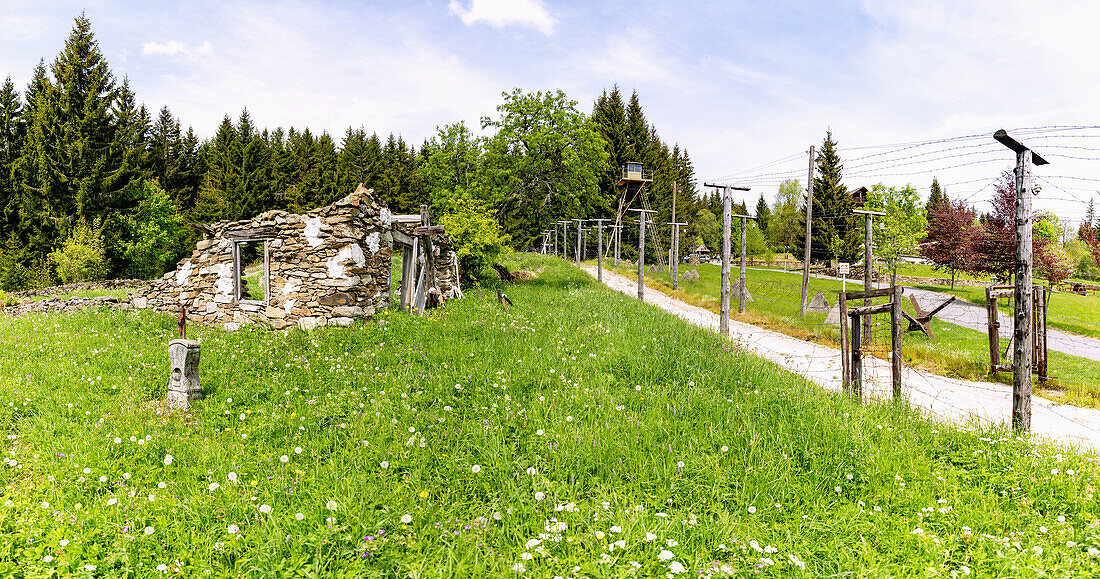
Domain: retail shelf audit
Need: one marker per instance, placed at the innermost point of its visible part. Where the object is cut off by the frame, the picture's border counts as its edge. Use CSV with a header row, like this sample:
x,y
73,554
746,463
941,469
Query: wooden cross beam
x,y
923,320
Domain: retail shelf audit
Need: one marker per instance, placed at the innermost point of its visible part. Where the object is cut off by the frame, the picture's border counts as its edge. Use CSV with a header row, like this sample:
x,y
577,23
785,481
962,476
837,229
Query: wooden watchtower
x,y
633,179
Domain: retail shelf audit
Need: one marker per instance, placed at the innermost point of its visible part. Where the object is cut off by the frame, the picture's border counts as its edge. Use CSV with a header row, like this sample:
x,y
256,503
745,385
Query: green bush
x,y
479,241
81,257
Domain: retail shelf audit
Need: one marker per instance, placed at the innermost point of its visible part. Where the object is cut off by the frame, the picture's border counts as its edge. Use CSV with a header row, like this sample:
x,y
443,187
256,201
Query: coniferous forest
x,y
94,185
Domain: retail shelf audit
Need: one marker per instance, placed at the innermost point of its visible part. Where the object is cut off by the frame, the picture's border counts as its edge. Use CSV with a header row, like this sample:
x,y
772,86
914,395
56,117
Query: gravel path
x,y
959,401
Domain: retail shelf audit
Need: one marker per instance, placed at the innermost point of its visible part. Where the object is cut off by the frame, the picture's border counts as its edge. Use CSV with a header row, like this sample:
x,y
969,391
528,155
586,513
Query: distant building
x,y
858,197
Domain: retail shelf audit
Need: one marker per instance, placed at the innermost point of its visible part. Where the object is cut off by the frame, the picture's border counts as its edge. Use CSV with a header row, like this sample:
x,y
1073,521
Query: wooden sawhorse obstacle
x,y
1041,295
419,287
922,322
851,346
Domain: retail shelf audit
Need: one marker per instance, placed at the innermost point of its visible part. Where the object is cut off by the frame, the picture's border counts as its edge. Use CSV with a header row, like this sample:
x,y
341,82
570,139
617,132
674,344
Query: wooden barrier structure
x,y
1038,336
851,353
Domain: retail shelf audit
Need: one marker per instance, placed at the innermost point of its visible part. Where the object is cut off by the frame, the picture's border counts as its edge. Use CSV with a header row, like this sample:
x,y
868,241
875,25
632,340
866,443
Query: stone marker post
x,y
183,382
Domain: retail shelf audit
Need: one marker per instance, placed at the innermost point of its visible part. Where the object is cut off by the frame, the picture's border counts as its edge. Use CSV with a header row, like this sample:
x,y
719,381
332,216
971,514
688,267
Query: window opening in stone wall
x,y
251,270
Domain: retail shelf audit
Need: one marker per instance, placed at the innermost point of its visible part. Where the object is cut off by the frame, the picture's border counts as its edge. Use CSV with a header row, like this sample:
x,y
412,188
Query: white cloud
x,y
175,48
635,55
170,48
502,13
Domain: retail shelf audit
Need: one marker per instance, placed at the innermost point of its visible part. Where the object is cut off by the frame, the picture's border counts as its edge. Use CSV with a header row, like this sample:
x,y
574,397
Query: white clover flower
x,y
48,559
406,519
150,530
233,529
167,459
671,543
665,555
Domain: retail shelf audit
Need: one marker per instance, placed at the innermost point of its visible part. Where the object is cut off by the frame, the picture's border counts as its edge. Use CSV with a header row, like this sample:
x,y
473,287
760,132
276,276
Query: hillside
x,y
580,434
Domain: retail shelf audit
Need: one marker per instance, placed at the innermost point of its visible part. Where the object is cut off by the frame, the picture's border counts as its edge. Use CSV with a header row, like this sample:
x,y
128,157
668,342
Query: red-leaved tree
x,y
951,234
994,245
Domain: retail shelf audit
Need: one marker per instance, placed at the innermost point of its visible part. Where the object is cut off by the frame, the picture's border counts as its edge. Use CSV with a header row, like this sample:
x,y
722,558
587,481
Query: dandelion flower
x,y
167,459
103,478
48,559
284,458
213,486
87,470
265,509
233,529
538,496
162,485
331,505
118,440
232,476
406,519
752,510
162,567
539,432
569,419
150,530
476,468
385,464
423,494
297,450
531,471
299,516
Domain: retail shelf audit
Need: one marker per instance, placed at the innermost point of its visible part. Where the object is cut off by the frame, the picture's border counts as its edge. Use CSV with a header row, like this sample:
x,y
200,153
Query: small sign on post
x,y
842,269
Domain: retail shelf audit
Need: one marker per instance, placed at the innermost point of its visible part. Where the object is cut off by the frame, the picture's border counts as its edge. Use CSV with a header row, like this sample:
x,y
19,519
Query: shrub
x,y
80,258
478,239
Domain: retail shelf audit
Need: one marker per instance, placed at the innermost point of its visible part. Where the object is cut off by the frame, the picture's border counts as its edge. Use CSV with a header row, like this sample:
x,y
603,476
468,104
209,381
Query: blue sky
x,y
738,84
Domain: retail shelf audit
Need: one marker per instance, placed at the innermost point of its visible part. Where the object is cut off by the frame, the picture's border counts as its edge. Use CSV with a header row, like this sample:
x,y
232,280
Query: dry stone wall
x,y
328,266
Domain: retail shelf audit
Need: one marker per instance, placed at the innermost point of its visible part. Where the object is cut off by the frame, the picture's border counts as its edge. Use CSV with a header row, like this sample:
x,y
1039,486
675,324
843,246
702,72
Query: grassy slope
x,y
630,420
958,352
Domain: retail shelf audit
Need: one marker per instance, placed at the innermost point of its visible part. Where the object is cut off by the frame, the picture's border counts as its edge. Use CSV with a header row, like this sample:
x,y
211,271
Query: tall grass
x,y
581,434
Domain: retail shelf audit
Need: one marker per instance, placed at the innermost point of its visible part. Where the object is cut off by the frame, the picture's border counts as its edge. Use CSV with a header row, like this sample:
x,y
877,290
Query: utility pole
x,y
675,252
741,280
599,248
641,250
868,259
564,237
1024,311
577,254
618,242
809,222
672,244
724,319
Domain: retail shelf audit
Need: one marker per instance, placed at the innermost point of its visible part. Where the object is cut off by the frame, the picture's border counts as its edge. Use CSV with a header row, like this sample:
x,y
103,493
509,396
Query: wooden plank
x,y
400,238
992,330
1000,294
1003,367
857,359
845,368
895,341
415,218
870,310
875,293
428,230
256,233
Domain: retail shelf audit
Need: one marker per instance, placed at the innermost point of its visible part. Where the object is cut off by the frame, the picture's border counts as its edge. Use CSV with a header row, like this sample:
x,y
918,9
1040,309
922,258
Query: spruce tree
x,y
11,143
763,214
935,197
835,232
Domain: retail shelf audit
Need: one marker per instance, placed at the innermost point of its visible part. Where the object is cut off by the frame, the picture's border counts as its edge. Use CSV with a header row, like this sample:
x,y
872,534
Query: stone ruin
x,y
329,266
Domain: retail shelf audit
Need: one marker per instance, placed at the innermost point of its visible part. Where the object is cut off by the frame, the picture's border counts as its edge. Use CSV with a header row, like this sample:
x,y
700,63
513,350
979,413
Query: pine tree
x,y
637,130
835,234
763,214
935,197
1090,216
11,142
